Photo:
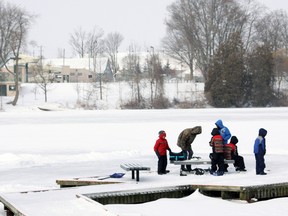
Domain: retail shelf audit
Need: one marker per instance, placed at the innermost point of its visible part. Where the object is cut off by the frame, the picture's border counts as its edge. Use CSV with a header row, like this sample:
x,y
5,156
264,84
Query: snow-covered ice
x,y
39,147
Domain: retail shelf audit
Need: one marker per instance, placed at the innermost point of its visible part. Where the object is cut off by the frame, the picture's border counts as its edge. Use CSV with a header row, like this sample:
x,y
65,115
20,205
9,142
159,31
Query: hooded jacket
x,y
260,142
224,131
161,145
187,136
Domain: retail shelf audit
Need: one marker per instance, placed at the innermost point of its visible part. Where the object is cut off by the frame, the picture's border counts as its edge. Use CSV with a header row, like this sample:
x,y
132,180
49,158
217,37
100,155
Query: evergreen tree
x,y
260,66
225,84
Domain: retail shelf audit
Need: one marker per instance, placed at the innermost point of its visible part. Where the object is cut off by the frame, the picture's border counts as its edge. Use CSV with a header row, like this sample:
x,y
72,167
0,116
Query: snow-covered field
x,y
39,147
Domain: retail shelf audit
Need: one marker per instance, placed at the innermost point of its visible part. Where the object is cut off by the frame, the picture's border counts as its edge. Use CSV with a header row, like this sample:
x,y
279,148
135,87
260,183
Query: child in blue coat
x,y
223,130
260,151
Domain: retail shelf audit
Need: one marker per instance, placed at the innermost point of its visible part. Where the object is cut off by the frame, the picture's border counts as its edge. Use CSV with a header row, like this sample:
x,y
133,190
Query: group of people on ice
x,y
224,146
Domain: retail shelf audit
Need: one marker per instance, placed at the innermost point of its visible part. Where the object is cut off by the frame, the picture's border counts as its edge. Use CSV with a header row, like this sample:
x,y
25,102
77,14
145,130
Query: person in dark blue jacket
x,y
224,131
260,151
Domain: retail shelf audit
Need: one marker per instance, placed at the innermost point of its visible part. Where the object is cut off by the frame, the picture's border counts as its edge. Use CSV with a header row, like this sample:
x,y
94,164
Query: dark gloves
x,y
211,156
157,153
210,143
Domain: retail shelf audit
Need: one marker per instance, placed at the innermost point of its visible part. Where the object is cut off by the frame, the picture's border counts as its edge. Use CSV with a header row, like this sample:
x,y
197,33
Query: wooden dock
x,y
136,194
258,192
246,193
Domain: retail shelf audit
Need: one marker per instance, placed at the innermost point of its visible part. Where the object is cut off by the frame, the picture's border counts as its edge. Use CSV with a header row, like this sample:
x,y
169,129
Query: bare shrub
x,y
134,104
161,103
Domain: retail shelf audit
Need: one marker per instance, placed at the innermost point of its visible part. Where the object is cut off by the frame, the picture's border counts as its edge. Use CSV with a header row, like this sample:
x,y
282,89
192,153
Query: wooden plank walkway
x,y
247,193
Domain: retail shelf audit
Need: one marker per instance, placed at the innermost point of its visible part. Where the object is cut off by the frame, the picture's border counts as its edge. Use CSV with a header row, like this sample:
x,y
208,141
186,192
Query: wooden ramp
x,y
68,201
81,182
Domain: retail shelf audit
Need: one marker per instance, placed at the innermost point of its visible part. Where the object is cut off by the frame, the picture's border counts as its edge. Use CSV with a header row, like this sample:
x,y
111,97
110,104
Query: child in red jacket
x,y
161,146
231,153
217,155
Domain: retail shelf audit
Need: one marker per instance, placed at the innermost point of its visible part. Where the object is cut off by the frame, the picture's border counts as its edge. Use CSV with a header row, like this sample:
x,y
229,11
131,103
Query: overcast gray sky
x,y
139,21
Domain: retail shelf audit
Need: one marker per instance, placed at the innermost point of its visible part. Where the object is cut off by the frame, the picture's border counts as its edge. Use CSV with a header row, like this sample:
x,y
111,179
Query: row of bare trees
x,y
196,28
148,74
93,44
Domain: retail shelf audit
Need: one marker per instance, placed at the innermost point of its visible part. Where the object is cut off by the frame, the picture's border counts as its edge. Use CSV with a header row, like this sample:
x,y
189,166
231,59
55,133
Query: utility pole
x,y
41,57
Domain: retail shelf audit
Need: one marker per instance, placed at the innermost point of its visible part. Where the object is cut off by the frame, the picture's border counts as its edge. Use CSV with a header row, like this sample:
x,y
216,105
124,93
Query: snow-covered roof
x,y
78,63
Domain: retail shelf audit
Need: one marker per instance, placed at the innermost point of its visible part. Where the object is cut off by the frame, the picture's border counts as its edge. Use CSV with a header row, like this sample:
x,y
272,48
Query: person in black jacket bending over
x,y
185,139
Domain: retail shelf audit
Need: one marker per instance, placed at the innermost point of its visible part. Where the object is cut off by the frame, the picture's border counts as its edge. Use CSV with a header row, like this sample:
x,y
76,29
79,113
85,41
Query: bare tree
x,y
112,44
280,69
156,80
34,45
178,48
272,30
94,42
78,41
132,71
196,28
95,46
43,78
14,25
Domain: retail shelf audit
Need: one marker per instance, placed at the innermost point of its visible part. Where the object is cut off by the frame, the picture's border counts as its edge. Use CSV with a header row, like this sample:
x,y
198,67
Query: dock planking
x,y
139,195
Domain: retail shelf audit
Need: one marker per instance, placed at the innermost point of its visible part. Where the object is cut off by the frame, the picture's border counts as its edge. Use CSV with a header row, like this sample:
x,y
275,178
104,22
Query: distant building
x,y
83,70
7,82
80,69
87,70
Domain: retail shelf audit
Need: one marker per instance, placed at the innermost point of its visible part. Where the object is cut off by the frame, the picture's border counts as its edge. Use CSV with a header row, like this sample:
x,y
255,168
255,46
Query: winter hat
x,y
215,131
262,132
234,140
162,134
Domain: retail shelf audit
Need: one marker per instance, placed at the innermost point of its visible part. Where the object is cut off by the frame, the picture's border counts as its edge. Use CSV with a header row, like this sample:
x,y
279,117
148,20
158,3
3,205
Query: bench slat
x,y
197,162
129,167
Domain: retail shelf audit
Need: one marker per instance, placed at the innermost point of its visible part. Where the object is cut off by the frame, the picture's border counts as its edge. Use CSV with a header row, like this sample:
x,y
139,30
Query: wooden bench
x,y
134,167
197,162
